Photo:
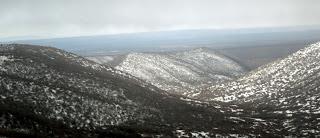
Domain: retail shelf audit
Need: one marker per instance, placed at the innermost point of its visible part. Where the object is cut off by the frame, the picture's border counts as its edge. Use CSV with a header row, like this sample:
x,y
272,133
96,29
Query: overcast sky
x,y
59,18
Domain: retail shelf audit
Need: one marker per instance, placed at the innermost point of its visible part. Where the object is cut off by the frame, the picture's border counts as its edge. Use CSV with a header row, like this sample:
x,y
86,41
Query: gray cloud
x,y
55,18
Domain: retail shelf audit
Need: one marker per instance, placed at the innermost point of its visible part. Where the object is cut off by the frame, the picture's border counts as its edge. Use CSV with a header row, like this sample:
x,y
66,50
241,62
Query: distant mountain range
x,y
181,39
47,92
180,73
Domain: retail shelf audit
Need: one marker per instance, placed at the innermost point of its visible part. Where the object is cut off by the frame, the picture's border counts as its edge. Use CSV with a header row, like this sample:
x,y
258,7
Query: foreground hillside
x,y
180,73
47,92
290,86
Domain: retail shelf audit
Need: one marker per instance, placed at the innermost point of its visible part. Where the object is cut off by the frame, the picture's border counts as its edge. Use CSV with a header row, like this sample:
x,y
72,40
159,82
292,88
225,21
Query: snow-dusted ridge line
x,y
182,73
72,58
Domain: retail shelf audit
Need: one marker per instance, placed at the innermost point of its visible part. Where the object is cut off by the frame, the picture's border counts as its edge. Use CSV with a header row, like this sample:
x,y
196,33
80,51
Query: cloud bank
x,y
58,18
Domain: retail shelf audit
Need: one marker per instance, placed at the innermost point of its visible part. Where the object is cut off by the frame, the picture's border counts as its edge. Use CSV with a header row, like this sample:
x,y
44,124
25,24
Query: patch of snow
x,y
3,59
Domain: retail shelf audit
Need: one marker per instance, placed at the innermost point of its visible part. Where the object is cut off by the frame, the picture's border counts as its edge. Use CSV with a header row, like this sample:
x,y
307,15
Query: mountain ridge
x,y
178,72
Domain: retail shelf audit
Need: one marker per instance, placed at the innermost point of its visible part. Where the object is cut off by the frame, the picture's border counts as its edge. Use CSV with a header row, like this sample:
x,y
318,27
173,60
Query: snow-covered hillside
x,y
289,87
296,71
180,73
47,92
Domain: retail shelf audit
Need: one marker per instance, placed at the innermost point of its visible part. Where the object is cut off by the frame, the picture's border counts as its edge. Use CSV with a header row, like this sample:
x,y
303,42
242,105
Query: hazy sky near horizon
x,y
59,18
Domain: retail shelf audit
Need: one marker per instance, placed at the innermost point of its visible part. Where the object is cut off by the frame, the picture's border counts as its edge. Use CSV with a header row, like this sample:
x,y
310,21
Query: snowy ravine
x,y
101,59
181,73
